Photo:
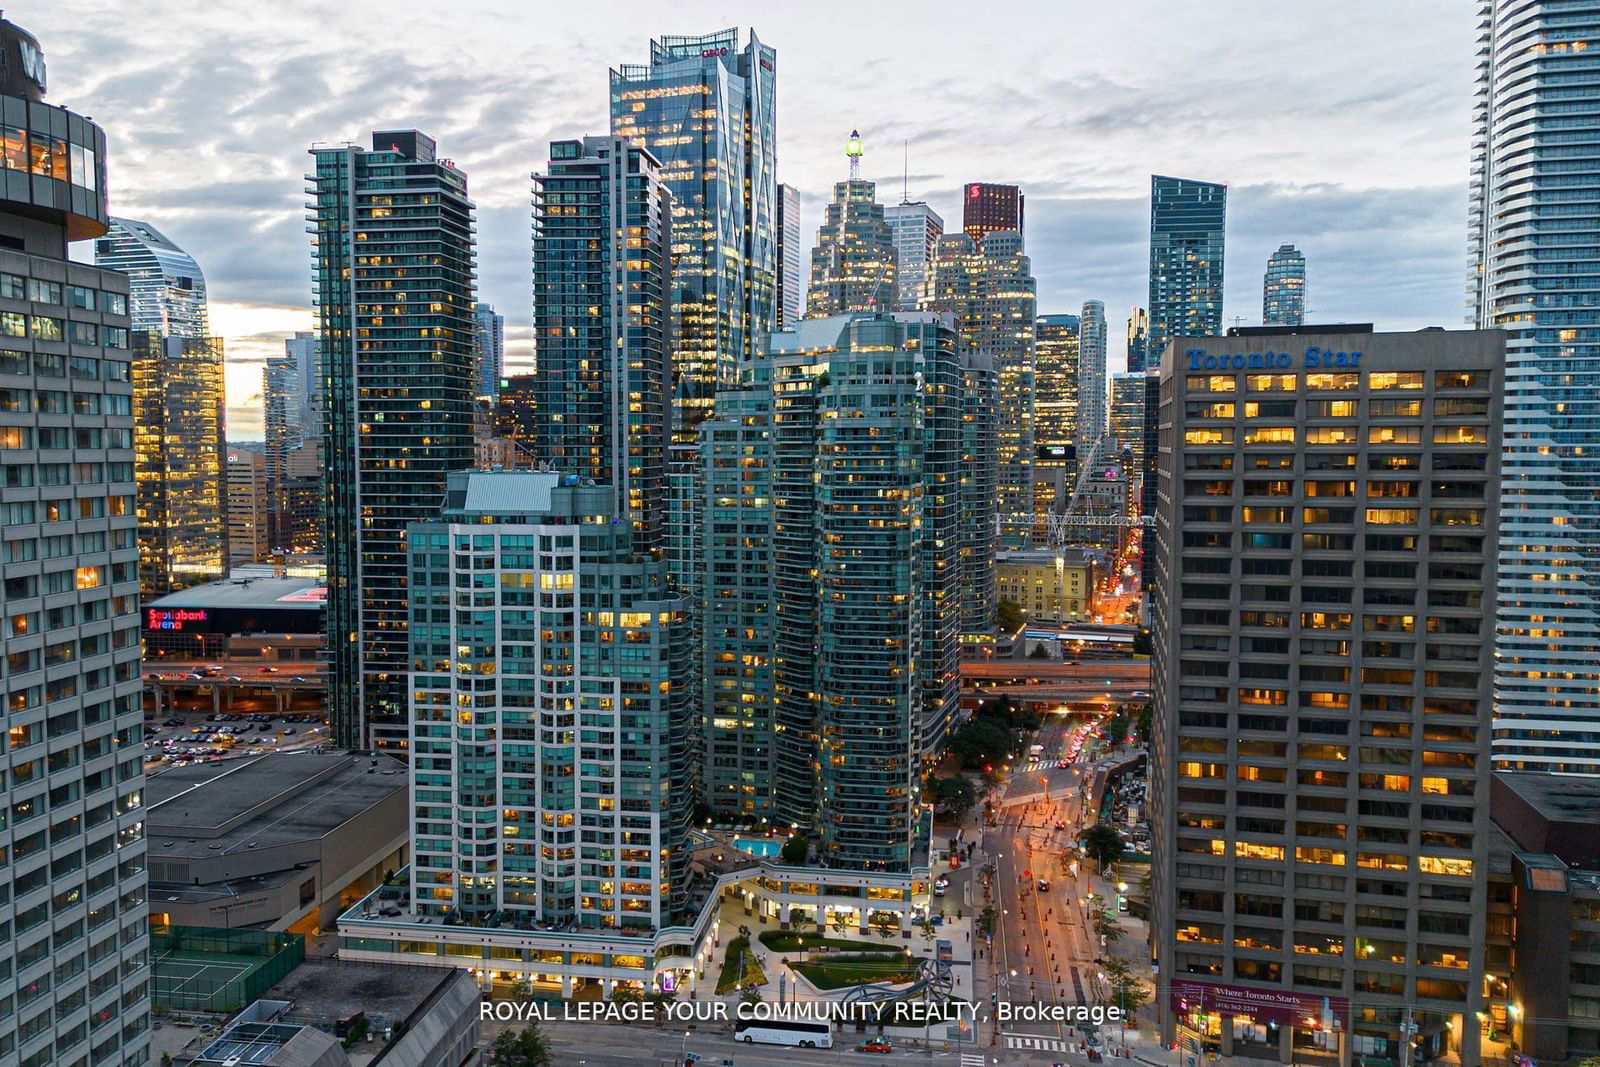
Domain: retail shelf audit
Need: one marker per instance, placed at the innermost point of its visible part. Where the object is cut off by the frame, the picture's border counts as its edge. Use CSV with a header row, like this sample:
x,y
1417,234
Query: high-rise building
x,y
1532,275
988,286
548,755
986,207
791,278
76,955
180,439
282,407
398,391
1091,376
1187,228
491,350
602,262
979,496
1325,556
1138,339
1055,411
167,290
1127,419
916,228
853,261
516,413
301,349
1283,288
249,508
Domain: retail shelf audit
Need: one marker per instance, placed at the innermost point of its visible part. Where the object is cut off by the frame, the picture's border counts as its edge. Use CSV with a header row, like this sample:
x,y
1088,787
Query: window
x,y
113,303
83,166
1380,380
1333,409
1331,435
43,291
13,324
1211,383
1460,379
80,296
1269,435
1270,383
1218,436
1460,435
46,328
83,333
14,147
1394,435
1325,382
115,336
47,156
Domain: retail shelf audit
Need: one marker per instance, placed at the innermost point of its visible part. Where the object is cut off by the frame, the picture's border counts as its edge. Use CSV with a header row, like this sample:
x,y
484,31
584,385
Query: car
x,y
288,729
172,722
269,670
877,1044
1122,905
235,678
938,890
297,678
1044,885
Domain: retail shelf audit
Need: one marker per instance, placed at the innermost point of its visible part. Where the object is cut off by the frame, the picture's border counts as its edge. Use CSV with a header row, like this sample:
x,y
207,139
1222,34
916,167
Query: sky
x,y
1343,128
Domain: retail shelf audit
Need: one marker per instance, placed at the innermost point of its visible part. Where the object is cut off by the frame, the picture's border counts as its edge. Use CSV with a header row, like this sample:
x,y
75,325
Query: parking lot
x,y
189,737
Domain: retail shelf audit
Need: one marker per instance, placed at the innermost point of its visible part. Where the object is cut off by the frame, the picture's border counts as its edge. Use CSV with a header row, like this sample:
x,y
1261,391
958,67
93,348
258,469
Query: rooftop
x,y
324,990
1556,796
279,594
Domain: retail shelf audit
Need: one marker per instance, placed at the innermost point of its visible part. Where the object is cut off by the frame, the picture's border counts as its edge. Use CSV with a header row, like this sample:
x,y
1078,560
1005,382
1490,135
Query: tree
x,y
886,924
928,930
840,922
1117,729
1103,844
1107,926
1127,992
795,850
1009,616
520,1048
1039,652
1142,645
955,794
626,994
1141,728
750,995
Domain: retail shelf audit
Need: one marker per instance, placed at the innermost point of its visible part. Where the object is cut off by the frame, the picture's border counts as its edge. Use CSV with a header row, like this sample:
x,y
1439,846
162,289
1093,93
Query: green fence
x,y
198,968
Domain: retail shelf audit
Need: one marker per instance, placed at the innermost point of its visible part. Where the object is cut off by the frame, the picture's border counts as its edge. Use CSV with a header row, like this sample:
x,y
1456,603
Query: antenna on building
x,y
905,167
852,151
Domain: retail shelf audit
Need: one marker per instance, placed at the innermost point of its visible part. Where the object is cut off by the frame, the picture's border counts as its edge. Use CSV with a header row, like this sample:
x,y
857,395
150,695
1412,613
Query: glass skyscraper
x,y
167,290
790,301
1139,354
398,383
1283,288
917,229
1055,410
491,350
853,262
1187,223
1091,377
1535,196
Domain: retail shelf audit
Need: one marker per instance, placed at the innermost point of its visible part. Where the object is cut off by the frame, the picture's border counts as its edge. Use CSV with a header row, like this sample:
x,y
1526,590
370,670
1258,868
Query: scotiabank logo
x,y
156,619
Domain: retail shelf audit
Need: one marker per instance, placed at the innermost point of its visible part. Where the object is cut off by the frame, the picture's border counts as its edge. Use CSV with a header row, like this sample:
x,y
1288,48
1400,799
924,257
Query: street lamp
x,y
683,1050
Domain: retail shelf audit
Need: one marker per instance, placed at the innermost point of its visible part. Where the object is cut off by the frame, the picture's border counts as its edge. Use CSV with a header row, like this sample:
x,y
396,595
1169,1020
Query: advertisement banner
x,y
1264,1005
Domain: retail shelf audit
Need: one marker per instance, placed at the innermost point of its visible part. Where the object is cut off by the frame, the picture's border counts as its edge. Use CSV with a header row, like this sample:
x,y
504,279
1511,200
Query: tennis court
x,y
179,977
198,969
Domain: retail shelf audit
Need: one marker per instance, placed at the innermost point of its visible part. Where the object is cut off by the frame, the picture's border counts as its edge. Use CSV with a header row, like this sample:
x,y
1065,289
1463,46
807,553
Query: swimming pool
x,y
758,846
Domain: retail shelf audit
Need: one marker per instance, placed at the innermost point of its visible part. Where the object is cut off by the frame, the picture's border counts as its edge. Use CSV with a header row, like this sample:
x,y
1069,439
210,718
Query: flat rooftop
x,y
324,990
1557,797
279,594
208,810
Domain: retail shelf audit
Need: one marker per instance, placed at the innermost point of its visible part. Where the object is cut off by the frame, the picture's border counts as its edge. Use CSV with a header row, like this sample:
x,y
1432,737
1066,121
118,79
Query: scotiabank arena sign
x,y
1264,1005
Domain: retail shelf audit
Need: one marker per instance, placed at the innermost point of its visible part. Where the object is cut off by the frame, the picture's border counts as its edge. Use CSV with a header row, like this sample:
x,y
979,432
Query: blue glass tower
x,y
1187,220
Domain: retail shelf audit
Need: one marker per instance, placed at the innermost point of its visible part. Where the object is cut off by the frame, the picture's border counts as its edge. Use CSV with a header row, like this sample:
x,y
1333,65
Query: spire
x,y
852,150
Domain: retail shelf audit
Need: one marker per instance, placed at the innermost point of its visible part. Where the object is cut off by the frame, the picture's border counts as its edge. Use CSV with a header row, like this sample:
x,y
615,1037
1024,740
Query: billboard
x,y
1264,1005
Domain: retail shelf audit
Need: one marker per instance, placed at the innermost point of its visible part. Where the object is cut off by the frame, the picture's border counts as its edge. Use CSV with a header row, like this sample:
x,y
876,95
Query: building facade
x,y
398,384
167,291
987,207
1283,288
1530,276
916,228
1188,221
1091,376
1324,542
791,280
1139,356
602,263
1127,418
74,965
1055,411
249,508
1049,585
979,495
853,263
491,340
561,804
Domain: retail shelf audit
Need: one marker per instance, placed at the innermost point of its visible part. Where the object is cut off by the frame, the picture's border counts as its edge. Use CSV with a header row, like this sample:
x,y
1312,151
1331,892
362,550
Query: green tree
x,y
886,924
1142,645
927,929
1141,728
750,995
1103,844
520,1048
1127,991
1009,616
956,795
1039,652
840,922
1107,926
795,850
626,994
1117,729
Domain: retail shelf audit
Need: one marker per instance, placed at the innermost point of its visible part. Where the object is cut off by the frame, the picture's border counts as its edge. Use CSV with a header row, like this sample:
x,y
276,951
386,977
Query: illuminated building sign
x,y
315,595
176,619
1301,1010
1313,357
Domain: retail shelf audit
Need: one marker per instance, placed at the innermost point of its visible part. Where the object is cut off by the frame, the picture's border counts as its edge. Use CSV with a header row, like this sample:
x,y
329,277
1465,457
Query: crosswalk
x,y
1037,1044
1041,765
973,1059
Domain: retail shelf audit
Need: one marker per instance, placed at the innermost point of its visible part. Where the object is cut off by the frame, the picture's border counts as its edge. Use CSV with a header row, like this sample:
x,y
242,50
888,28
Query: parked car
x,y
876,1044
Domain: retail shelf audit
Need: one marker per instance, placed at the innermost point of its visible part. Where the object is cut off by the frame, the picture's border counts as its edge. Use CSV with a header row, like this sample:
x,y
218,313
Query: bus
x,y
784,1032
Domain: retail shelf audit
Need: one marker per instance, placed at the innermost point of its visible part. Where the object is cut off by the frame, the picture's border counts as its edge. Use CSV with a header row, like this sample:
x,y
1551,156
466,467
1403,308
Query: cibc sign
x,y
1313,358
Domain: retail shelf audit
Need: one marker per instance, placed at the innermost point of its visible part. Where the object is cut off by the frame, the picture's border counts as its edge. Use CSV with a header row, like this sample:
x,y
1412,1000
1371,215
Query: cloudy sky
x,y
1340,127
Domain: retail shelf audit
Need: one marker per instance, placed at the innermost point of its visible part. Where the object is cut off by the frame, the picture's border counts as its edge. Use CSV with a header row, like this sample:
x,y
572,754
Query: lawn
x,y
739,967
789,941
834,972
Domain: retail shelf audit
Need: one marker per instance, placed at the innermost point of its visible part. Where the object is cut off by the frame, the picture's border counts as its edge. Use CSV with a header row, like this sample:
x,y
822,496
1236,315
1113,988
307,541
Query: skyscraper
x,y
1320,755
398,388
986,207
1127,419
791,279
853,261
301,349
1055,410
1187,223
1139,354
1535,185
1091,377
917,229
249,507
76,955
561,804
602,261
1283,288
491,342
167,290
988,286
979,497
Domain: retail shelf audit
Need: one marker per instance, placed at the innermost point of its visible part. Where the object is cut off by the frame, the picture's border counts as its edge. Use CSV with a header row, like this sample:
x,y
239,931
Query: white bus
x,y
784,1032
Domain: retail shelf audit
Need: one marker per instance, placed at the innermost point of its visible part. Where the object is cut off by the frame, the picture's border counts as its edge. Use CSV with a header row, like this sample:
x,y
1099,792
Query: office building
x,y
1531,276
282,407
1050,585
916,228
986,207
1324,542
249,508
1055,411
1283,288
491,341
180,427
167,291
1091,377
791,279
853,261
398,390
602,262
1127,419
1138,340
979,495
75,958
1187,223
516,414
562,803
301,350
988,286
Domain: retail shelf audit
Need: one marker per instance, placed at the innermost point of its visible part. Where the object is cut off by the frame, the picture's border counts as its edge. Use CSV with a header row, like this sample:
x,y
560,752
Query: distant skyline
x,y
212,110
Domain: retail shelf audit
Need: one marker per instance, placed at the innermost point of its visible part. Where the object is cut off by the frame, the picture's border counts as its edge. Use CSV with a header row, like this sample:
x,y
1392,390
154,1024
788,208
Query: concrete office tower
x,y
1127,419
491,352
791,296
986,207
602,262
988,286
249,508
979,498
166,288
546,755
180,439
1091,376
1055,411
917,229
1139,356
1325,557
76,955
1283,288
1187,227
1531,275
398,390
853,261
